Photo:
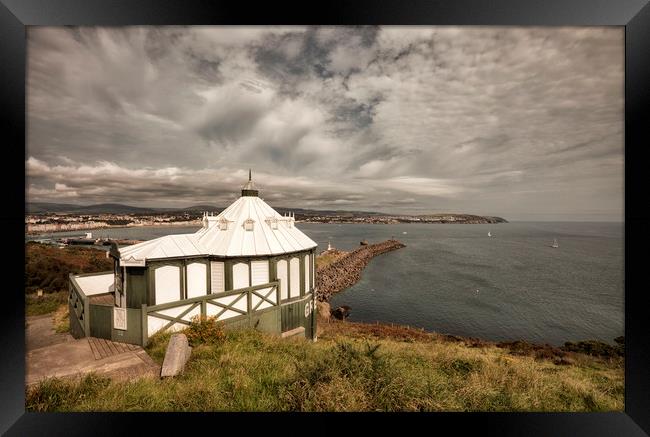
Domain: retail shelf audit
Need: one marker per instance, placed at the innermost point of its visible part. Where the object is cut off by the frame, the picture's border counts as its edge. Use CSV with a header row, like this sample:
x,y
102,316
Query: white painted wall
x,y
240,276
259,272
282,276
294,286
313,270
168,284
197,280
217,277
307,267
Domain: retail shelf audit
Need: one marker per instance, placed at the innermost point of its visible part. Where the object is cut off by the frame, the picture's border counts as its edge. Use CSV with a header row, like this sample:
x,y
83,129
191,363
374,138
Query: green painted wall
x,y
133,334
136,286
101,321
293,316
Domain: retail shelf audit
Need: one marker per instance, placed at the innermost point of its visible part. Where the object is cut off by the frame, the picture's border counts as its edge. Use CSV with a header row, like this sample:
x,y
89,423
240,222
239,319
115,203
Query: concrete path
x,y
40,332
59,355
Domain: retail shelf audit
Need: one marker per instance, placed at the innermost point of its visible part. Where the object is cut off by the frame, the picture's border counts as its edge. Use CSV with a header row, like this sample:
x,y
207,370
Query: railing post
x,y
249,298
145,328
204,308
86,303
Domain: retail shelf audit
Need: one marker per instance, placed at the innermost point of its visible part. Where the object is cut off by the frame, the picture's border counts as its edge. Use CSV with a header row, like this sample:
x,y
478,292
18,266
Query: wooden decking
x,y
103,348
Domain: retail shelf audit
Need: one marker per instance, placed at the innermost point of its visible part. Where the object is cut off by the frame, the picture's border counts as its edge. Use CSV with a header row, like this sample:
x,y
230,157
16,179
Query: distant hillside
x,y
300,213
115,208
469,218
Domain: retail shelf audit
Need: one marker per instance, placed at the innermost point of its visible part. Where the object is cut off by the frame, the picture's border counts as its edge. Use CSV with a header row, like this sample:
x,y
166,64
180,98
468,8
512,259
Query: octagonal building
x,y
248,266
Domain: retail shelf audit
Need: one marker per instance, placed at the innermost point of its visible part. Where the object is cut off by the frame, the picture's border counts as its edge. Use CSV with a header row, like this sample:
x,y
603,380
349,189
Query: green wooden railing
x,y
211,299
79,306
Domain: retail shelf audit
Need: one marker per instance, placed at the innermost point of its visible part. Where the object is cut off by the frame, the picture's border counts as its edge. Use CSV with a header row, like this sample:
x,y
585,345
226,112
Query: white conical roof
x,y
248,227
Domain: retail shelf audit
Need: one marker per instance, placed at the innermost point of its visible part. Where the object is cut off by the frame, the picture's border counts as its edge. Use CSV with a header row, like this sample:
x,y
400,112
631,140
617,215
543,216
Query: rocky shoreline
x,y
346,271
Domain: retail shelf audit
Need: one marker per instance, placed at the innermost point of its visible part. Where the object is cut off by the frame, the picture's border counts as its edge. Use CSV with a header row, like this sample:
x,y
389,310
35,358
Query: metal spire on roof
x,y
249,189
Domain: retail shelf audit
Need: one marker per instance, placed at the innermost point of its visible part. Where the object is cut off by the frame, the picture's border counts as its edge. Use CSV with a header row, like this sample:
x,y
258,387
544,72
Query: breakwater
x,y
346,271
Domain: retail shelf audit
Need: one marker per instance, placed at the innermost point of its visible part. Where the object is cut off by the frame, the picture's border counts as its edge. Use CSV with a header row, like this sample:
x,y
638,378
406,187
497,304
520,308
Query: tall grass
x,y
252,371
45,304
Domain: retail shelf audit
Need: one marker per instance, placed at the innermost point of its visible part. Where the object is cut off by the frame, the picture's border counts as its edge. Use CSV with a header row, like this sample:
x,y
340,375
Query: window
x,y
240,276
248,224
168,284
294,277
197,278
217,277
306,270
223,224
259,272
283,276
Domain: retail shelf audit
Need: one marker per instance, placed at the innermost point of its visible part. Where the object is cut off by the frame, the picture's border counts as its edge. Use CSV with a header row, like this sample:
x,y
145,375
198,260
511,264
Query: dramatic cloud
x,y
525,123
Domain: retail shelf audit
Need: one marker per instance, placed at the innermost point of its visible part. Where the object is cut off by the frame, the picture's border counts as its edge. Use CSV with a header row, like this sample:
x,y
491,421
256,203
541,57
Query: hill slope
x,y
349,371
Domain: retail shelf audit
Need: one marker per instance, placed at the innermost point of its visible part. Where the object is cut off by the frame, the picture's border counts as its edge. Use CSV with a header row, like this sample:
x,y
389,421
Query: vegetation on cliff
x,y
47,267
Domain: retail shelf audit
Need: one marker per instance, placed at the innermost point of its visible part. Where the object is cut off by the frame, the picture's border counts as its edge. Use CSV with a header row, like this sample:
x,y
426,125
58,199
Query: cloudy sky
x,y
523,123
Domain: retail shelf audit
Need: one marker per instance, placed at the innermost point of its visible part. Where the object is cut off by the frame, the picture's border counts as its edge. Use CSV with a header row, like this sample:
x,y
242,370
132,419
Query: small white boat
x,y
555,245
489,234
404,232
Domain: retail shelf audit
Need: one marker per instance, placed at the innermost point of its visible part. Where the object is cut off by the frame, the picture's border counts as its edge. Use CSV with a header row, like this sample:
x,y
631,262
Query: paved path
x,y
59,355
40,332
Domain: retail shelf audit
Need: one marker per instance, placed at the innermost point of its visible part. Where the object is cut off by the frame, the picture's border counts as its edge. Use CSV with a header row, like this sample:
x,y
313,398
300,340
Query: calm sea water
x,y
455,279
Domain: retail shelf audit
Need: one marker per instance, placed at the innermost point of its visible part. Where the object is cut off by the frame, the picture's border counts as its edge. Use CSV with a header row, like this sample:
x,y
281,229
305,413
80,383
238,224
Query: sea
x,y
455,279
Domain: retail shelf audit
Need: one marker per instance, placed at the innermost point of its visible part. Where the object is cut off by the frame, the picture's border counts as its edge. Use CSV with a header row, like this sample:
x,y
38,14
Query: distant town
x,y
39,220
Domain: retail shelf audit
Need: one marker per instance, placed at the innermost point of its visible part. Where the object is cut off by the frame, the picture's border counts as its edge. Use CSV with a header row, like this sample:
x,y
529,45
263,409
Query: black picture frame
x,y
15,15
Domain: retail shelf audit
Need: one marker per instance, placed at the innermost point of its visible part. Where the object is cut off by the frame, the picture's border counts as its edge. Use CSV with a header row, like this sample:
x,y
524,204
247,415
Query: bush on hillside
x,y
204,330
48,267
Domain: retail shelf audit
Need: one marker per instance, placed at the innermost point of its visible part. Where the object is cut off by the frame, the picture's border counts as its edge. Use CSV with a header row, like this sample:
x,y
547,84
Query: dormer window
x,y
248,224
223,224
273,222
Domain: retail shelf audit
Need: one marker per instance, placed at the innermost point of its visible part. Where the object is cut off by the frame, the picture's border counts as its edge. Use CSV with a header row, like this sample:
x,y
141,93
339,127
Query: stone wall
x,y
346,271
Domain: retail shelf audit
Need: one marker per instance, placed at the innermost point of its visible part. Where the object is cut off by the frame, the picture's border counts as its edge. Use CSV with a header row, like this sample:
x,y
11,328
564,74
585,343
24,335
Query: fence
x,y
78,307
256,306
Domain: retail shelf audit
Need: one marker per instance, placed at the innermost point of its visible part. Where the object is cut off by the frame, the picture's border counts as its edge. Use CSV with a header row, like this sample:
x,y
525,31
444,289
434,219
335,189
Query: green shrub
x,y
204,330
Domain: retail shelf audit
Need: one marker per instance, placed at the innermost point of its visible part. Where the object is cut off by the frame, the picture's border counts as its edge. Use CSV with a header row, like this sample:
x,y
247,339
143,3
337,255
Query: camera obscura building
x,y
248,266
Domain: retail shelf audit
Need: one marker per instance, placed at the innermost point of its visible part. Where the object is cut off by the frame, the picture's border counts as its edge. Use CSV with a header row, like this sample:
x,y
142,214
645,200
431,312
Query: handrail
x,y
77,287
211,296
94,274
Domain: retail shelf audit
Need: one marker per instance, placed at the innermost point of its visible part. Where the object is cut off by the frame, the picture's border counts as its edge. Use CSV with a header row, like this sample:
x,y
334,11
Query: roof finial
x,y
249,189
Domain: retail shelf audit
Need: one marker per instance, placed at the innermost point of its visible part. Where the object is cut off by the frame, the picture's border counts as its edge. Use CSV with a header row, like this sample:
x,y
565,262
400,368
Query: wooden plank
x,y
93,348
103,349
241,291
112,348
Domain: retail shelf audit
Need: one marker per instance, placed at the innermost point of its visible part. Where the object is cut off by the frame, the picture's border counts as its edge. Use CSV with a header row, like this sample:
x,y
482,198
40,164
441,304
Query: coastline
x,y
156,225
374,221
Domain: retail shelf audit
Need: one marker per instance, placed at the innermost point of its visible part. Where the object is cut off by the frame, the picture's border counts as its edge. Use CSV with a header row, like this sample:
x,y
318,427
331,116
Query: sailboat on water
x,y
555,245
489,234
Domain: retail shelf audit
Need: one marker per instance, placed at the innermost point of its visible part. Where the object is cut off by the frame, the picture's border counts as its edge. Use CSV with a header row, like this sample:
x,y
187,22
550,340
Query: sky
x,y
525,123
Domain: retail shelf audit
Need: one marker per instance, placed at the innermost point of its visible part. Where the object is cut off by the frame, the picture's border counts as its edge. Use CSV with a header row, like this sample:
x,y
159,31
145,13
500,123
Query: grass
x,y
328,258
348,371
61,320
45,304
